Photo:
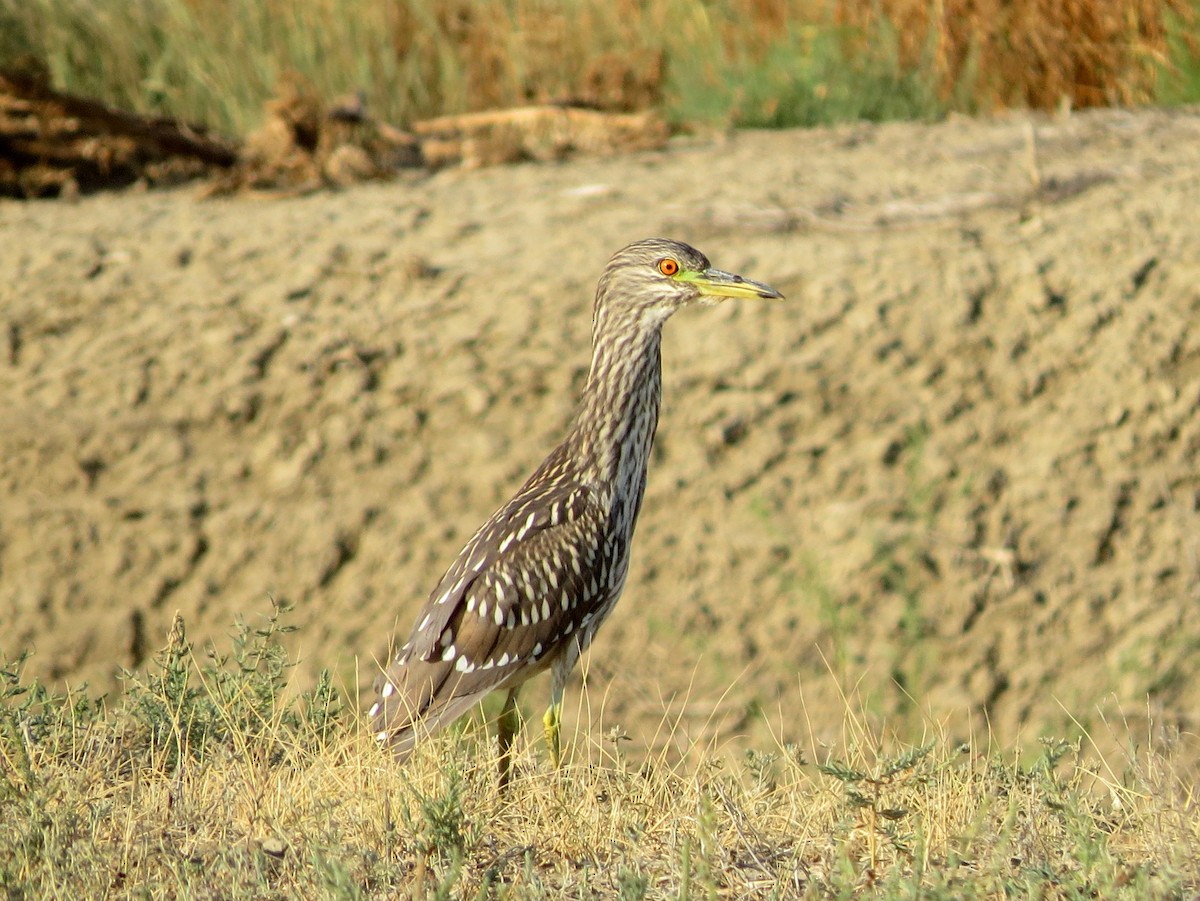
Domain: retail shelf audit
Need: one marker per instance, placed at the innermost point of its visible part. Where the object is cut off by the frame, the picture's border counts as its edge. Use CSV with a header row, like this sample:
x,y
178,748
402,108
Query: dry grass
x,y
783,62
209,778
1032,53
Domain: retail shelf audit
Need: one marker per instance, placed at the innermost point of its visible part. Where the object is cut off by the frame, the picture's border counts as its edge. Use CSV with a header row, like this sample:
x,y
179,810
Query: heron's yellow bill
x,y
715,283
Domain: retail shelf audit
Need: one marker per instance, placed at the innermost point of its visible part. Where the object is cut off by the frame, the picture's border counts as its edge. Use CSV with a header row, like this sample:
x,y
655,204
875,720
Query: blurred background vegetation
x,y
714,62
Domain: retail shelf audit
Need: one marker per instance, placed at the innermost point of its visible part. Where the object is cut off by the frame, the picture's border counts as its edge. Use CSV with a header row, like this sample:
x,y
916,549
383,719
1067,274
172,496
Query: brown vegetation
x,y
1030,53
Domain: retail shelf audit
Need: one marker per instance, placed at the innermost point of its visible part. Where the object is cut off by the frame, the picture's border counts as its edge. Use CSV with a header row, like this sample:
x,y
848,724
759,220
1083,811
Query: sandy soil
x,y
955,476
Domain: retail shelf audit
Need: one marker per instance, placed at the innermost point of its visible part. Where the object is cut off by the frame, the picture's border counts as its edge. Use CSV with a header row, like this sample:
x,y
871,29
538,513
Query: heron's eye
x,y
668,266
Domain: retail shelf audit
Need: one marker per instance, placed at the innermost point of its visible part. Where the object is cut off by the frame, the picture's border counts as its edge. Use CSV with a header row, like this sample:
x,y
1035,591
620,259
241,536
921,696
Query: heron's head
x,y
651,279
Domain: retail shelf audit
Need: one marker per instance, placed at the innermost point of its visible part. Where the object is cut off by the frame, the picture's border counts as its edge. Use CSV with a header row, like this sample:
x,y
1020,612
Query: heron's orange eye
x,y
668,266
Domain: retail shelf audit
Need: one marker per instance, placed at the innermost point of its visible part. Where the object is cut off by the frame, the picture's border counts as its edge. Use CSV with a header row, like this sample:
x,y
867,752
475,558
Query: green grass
x,y
1179,75
213,63
810,76
213,776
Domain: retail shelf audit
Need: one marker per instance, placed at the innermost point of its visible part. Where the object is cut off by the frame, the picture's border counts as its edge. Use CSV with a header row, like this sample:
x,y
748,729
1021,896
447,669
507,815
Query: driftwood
x,y
305,144
535,133
52,142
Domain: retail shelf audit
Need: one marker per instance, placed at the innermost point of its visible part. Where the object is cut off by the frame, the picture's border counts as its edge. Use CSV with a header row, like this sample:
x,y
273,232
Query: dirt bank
x,y
955,475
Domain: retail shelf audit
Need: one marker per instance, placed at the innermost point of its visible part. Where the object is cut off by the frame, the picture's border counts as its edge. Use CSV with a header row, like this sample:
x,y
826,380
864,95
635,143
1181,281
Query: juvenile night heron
x,y
529,591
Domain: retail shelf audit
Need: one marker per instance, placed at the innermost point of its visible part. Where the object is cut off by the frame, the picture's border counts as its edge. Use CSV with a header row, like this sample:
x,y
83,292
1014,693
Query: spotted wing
x,y
517,594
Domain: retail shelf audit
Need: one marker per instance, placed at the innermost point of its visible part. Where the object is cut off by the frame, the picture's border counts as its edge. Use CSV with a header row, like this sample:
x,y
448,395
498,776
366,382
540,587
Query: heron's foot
x,y
551,723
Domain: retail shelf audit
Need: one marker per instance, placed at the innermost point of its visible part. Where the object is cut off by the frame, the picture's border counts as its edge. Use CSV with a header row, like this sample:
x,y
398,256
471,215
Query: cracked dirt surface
x,y
955,475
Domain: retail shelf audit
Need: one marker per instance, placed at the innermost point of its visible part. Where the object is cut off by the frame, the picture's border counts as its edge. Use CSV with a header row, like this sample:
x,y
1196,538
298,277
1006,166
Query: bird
x,y
532,586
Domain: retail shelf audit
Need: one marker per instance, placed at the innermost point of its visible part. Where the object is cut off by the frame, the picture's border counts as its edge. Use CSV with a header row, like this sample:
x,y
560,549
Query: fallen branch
x,y
51,141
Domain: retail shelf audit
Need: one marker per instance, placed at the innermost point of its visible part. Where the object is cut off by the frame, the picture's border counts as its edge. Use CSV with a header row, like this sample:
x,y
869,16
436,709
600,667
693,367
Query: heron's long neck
x,y
619,413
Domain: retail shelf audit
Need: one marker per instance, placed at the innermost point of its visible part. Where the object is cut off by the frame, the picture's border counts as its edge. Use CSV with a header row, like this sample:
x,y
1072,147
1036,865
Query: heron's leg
x,y
507,727
559,671
551,722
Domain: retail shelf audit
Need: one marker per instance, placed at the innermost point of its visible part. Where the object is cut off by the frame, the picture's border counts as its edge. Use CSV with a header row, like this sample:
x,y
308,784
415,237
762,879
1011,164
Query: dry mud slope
x,y
952,480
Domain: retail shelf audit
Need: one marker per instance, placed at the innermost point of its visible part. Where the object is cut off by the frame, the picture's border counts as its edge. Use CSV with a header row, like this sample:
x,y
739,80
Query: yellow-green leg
x,y
551,722
507,727
559,671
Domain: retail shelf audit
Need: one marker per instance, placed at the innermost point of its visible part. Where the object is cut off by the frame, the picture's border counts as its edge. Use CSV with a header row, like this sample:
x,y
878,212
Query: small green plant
x,y
445,824
36,720
443,831
708,867
187,710
761,765
868,794
631,885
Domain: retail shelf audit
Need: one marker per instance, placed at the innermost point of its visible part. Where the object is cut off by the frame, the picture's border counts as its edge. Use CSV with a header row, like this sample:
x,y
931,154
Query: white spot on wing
x,y
382,736
388,690
374,709
545,608
449,653
528,524
499,617
464,665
